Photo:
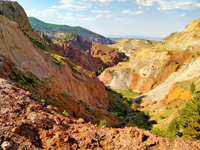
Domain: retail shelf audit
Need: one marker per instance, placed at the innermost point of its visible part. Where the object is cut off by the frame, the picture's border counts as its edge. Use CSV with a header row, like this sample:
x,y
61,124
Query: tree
x,y
189,119
192,87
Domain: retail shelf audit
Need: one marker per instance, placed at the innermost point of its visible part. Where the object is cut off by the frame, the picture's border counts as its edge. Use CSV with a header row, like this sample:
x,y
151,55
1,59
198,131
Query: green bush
x,y
26,80
103,123
42,100
162,117
146,114
192,87
65,113
134,106
36,42
100,71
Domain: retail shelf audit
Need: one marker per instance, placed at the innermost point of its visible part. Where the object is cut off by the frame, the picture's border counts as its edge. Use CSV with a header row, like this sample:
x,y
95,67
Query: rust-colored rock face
x,y
109,56
67,88
176,92
28,125
141,84
187,40
125,80
81,58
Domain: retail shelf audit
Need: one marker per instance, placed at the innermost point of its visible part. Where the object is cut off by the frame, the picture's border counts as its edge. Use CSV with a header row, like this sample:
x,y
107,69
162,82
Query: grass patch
x,y
36,42
120,105
128,94
27,81
57,59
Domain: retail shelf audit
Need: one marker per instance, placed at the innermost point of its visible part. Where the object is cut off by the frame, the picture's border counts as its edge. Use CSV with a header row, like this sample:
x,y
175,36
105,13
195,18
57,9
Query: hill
x,y
52,30
164,73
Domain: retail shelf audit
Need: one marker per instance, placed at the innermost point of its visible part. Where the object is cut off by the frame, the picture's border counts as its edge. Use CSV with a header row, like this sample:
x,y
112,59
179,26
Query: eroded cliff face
x,y
146,70
129,46
58,84
81,58
29,124
187,40
110,56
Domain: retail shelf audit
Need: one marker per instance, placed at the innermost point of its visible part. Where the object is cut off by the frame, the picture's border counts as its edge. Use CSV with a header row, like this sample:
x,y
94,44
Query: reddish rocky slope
x,y
27,124
47,75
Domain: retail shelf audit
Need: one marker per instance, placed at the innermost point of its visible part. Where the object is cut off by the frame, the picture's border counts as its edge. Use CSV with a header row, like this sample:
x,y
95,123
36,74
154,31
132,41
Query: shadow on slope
x,y
128,112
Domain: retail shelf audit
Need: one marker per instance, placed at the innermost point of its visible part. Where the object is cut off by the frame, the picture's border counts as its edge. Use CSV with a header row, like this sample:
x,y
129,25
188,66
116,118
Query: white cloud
x,y
74,5
80,15
101,11
102,2
123,0
183,15
132,12
91,18
81,5
145,2
39,12
171,4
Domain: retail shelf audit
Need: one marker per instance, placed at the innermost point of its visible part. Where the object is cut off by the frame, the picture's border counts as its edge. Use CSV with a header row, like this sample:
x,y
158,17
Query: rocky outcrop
x,y
146,70
175,92
68,88
187,40
123,80
14,12
81,58
108,55
74,40
129,46
28,124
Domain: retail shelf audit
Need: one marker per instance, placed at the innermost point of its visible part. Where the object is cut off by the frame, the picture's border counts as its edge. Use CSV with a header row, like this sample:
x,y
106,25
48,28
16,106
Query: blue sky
x,y
155,18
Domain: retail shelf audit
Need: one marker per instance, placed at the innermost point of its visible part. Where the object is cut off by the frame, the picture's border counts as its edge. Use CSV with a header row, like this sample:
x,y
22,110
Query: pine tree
x,y
189,119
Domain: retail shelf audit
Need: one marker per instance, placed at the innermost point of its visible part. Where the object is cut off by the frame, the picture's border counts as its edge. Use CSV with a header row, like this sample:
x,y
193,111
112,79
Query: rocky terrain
x,y
78,51
110,56
129,46
50,100
163,73
28,124
49,76
159,66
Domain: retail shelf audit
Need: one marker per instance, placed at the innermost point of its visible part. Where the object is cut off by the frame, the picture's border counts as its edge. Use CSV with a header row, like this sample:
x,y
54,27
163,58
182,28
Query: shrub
x,y
134,106
103,123
42,100
87,107
162,117
192,87
65,113
26,80
146,114
36,42
100,71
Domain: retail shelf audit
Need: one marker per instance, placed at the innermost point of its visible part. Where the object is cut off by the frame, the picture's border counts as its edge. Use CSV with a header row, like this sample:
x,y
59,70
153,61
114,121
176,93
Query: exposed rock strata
x,y
19,55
